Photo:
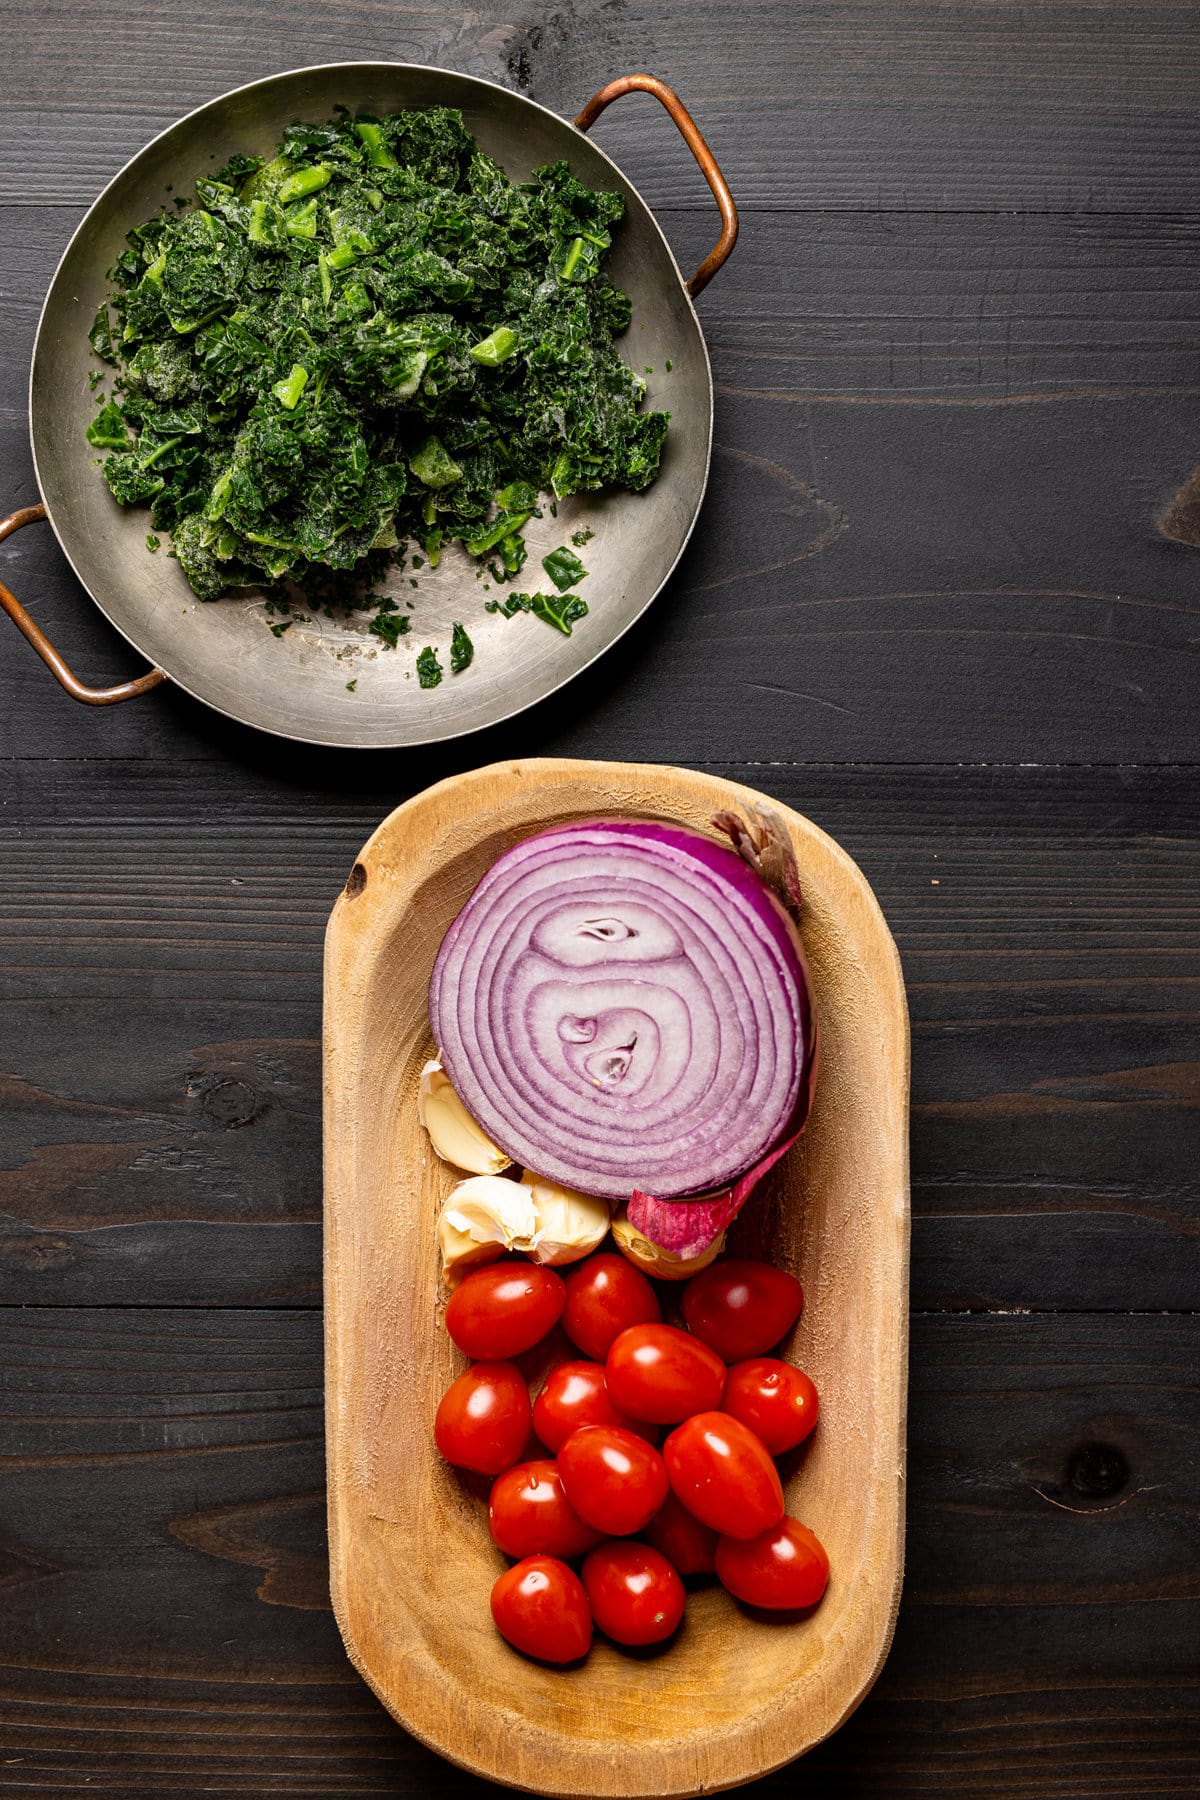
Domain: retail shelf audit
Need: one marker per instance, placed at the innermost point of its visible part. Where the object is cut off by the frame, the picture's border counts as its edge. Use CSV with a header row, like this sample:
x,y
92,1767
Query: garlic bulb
x,y
489,1214
570,1224
652,1259
482,1219
452,1131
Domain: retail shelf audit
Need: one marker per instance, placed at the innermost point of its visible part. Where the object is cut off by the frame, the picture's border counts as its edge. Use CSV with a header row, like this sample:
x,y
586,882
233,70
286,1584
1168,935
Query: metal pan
x,y
296,685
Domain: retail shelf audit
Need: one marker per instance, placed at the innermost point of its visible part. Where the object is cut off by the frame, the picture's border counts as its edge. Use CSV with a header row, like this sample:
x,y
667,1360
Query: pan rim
x,y
419,69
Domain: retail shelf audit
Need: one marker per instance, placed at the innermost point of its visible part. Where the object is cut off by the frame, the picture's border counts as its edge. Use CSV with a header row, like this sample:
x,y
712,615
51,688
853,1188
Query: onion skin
x,y
623,1005
652,1259
688,1228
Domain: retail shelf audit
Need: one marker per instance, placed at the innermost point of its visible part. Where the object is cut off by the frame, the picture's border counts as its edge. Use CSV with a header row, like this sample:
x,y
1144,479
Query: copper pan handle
x,y
125,690
650,84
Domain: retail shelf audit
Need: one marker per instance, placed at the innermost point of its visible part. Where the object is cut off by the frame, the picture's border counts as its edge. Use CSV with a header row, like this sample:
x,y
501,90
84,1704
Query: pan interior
x,y
297,685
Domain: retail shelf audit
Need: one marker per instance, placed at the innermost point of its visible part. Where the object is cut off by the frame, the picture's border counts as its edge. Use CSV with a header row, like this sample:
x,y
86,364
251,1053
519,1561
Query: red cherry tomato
x,y
724,1475
529,1514
687,1545
575,1395
615,1480
742,1308
635,1594
540,1607
604,1295
659,1373
778,1402
783,1567
504,1309
483,1418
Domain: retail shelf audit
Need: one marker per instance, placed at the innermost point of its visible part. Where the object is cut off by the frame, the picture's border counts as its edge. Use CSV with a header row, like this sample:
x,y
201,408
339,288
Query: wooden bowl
x,y
736,1694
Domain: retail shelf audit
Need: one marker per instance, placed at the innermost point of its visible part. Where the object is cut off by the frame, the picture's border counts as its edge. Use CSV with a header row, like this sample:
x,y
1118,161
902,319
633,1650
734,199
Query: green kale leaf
x,y
429,669
560,610
564,569
462,650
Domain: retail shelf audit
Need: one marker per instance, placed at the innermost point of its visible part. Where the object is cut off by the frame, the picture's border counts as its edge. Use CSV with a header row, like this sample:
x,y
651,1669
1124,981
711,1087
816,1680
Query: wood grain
x,y
409,1566
162,1538
1047,920
867,105
942,458
964,308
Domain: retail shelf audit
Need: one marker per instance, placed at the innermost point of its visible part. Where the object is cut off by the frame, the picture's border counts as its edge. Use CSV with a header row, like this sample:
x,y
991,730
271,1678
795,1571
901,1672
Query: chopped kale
x,y
372,339
237,170
389,623
152,543
496,348
583,536
514,604
462,650
505,526
107,430
431,464
513,551
100,337
564,568
560,610
429,669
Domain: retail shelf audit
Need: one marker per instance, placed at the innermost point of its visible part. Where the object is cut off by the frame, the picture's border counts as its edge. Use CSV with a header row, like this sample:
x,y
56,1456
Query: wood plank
x,y
941,458
1077,107
970,310
876,552
864,306
163,1560
1046,917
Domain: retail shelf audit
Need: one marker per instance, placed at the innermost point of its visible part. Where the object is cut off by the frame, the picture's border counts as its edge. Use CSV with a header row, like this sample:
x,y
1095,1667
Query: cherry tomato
x,y
540,1607
783,1567
687,1545
742,1308
778,1402
575,1395
659,1373
504,1309
483,1418
615,1480
724,1475
529,1514
635,1594
604,1295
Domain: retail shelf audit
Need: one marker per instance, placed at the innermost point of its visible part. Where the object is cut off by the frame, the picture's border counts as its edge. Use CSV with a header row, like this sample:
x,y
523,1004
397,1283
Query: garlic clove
x,y
482,1219
570,1224
652,1259
452,1131
488,1215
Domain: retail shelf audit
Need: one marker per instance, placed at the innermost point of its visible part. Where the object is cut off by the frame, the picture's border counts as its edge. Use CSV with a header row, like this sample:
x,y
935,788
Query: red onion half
x,y
624,1005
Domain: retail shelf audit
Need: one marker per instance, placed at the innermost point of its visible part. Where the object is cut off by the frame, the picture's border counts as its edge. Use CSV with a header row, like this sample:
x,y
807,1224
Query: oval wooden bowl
x,y
736,1694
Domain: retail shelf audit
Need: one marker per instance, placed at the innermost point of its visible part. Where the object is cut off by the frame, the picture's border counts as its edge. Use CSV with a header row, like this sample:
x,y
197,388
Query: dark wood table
x,y
939,601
